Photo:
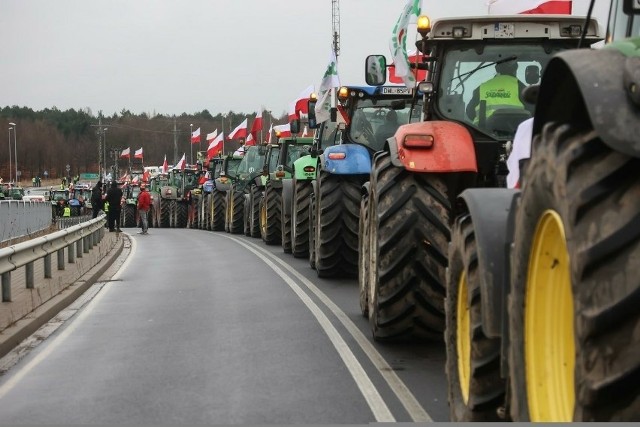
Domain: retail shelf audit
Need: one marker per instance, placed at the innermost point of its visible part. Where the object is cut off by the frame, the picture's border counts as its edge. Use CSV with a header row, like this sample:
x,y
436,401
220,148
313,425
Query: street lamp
x,y
104,150
15,149
10,164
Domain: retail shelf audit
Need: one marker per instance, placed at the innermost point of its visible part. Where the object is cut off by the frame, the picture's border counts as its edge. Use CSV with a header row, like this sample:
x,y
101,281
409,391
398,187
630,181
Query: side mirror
x,y
295,126
376,70
631,7
532,74
313,122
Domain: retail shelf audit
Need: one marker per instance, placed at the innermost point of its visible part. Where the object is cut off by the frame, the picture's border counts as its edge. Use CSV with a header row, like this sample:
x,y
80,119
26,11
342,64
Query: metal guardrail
x,y
66,222
77,240
20,218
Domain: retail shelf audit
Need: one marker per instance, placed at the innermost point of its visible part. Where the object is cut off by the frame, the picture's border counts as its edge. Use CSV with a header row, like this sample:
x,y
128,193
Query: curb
x,y
23,328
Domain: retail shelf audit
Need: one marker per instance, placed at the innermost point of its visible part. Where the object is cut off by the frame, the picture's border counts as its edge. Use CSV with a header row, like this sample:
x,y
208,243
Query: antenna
x,y
335,21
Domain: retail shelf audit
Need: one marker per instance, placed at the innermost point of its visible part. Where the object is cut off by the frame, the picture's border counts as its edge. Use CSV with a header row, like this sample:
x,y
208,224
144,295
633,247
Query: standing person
x,y
96,199
144,204
114,197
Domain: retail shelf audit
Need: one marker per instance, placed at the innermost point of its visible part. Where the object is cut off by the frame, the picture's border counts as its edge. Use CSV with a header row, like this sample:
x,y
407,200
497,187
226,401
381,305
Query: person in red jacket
x,y
144,204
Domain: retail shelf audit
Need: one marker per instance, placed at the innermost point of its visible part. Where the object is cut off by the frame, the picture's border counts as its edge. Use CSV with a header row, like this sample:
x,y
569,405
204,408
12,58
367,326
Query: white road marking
x,y
379,408
408,400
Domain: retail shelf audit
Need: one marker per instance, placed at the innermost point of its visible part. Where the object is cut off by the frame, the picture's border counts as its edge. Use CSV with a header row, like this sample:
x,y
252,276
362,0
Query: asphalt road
x,y
208,328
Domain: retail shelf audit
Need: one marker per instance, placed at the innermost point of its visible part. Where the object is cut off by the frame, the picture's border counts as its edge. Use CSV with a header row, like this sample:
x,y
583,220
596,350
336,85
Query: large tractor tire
x,y
573,303
206,212
255,194
165,213
270,215
300,218
476,389
409,217
285,228
363,255
236,212
312,231
128,218
227,211
218,209
151,215
246,212
182,214
336,227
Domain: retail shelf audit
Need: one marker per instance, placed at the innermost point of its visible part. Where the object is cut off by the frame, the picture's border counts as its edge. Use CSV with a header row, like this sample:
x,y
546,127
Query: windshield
x,y
482,85
274,153
251,162
621,25
329,134
375,120
295,151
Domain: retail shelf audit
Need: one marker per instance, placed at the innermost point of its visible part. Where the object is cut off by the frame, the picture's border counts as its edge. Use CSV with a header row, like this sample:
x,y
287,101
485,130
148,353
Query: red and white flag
x,y
165,165
300,105
414,57
182,164
136,179
269,134
543,7
282,131
211,136
250,140
215,146
304,131
256,126
145,176
239,132
138,154
195,136
126,153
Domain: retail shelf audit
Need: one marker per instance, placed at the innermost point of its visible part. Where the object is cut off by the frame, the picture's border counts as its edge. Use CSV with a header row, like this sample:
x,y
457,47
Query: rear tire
x,y
165,213
270,216
255,195
285,227
475,387
312,230
218,209
300,218
128,216
182,210
409,235
336,225
236,212
590,194
363,256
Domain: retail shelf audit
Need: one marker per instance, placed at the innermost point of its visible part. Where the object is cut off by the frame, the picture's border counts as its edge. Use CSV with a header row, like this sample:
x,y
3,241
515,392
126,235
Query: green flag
x,y
398,44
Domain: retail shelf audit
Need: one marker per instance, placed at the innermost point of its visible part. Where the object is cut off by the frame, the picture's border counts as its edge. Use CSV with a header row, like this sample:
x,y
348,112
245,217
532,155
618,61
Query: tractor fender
x,y
347,159
287,196
589,85
451,149
302,168
491,210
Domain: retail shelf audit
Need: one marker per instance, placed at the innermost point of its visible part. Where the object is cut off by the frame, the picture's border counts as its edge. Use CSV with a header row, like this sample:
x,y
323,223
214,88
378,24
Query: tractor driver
x,y
502,91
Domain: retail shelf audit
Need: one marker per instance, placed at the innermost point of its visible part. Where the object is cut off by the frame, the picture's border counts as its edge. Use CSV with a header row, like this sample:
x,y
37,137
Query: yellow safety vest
x,y
502,91
106,207
67,211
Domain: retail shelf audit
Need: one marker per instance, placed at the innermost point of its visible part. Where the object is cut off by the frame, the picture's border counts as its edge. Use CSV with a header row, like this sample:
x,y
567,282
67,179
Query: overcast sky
x,y
175,56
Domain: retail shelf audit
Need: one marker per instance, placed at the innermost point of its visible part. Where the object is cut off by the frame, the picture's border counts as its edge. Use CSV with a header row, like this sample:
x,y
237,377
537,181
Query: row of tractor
x,y
532,288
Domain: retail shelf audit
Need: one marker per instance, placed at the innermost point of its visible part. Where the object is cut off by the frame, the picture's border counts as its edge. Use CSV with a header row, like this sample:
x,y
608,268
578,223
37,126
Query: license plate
x,y
396,91
504,30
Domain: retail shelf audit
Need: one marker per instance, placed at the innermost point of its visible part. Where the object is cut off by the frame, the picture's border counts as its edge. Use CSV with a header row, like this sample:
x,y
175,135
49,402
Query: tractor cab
x,y
291,149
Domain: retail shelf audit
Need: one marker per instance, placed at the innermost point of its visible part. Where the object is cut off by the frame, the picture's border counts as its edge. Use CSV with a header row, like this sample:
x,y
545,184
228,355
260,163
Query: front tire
x,y
270,216
300,219
573,305
475,387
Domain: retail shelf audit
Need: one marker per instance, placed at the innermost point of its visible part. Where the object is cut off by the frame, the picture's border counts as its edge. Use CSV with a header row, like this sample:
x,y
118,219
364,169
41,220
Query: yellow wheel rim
x,y
463,338
549,332
263,219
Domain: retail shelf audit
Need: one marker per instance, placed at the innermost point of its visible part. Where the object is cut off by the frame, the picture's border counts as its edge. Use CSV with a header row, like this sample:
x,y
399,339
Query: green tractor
x,y
129,211
268,202
160,206
542,286
217,199
294,164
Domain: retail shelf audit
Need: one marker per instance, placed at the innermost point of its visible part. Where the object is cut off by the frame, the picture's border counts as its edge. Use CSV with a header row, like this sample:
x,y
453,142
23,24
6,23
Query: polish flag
x,y
250,140
135,180
165,165
256,126
195,136
269,134
543,7
126,153
138,154
211,136
239,132
301,104
282,131
215,146
342,115
182,164
145,176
